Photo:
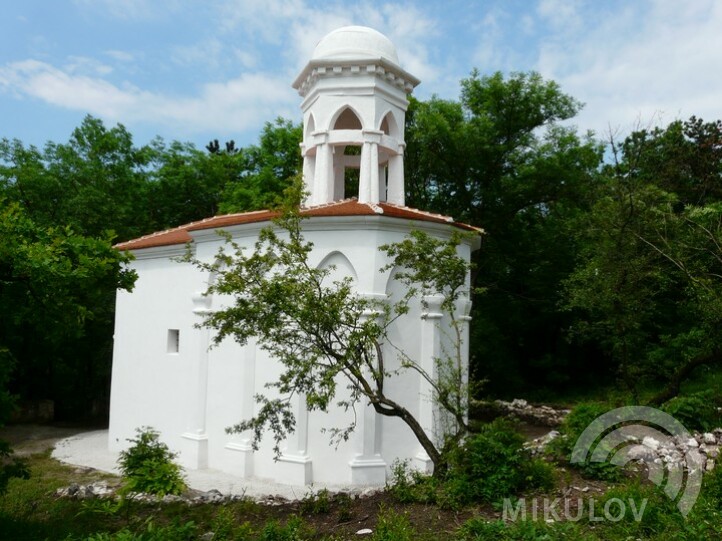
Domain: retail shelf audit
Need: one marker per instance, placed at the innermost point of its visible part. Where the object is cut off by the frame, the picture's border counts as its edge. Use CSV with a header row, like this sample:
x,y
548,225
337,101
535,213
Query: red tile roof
x,y
347,207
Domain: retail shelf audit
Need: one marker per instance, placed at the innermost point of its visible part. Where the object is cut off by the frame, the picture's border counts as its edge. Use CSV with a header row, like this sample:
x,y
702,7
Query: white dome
x,y
355,43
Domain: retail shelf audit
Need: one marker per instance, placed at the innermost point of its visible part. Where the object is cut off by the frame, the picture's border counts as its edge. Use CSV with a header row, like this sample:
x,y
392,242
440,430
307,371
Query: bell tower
x,y
354,108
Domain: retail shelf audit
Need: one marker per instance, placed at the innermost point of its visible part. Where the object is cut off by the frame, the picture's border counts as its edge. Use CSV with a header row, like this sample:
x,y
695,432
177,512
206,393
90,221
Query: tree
x,y
646,285
56,292
498,159
322,336
263,171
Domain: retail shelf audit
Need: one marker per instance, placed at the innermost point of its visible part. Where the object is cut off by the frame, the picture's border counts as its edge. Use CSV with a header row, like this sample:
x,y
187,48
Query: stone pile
x,y
698,451
539,415
695,451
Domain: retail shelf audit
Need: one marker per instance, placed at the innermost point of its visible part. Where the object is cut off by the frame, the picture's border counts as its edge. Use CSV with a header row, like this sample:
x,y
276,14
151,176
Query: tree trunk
x,y
682,373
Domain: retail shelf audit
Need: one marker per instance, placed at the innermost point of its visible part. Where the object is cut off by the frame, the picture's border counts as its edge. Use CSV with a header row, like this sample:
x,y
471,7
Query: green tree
x,y
320,332
56,292
95,182
647,284
499,159
262,171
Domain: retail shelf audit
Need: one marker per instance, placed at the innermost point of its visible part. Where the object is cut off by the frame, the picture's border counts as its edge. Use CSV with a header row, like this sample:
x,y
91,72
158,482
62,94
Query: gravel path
x,y
90,449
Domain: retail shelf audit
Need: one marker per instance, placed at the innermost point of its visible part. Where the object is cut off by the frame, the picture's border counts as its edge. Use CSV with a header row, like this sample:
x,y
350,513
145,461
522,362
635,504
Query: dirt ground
x,y
28,439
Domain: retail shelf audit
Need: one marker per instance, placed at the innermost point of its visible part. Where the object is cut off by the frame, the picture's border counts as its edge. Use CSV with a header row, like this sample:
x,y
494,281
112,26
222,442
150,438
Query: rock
x,y
692,443
365,531
641,452
709,438
171,498
712,452
519,403
651,443
709,466
207,536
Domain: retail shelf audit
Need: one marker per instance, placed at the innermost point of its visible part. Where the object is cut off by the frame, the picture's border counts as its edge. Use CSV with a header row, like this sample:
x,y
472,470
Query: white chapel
x,y
165,374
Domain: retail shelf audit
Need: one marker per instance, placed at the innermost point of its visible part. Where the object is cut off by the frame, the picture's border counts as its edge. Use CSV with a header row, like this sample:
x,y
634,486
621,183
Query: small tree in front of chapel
x,y
322,334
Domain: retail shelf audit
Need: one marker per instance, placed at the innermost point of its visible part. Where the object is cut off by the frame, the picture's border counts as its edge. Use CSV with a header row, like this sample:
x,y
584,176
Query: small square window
x,y
173,340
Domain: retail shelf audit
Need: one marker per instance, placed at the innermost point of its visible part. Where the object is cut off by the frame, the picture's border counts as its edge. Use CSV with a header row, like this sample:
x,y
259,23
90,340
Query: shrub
x,y
148,466
696,411
412,486
493,464
574,424
487,467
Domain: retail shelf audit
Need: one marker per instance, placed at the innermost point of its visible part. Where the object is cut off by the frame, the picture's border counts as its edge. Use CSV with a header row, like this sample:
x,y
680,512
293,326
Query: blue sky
x,y
196,70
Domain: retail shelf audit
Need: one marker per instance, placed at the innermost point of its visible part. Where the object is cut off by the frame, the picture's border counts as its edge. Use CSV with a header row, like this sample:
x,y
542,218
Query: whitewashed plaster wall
x,y
192,396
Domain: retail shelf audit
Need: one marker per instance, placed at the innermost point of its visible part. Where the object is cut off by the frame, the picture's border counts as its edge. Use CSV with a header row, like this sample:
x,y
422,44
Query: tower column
x,y
368,190
309,166
323,178
395,190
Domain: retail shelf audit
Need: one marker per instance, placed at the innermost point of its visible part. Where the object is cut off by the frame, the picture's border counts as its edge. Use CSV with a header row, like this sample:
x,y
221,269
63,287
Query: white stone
x,y
709,438
692,443
365,531
641,452
649,441
709,466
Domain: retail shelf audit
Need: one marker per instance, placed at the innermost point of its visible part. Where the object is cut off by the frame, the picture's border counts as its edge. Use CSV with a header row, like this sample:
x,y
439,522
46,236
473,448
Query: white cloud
x,y
121,56
651,60
86,65
129,9
236,105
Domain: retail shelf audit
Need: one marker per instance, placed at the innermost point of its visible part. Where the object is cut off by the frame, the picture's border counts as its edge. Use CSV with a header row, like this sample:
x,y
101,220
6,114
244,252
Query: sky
x,y
199,70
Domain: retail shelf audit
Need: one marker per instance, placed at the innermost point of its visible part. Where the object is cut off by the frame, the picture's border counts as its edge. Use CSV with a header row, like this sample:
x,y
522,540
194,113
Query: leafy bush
x,y
574,424
493,464
411,486
148,466
697,411
487,467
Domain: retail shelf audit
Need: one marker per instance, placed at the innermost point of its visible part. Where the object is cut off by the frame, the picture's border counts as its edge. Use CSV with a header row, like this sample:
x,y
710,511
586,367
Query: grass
x,y
30,511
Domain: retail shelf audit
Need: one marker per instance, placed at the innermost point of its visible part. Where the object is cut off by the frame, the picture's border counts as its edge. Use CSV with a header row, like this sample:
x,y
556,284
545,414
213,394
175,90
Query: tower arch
x,y
355,93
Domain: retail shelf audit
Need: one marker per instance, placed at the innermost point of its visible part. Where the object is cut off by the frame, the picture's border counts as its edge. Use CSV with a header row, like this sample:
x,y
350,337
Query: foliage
x,y
487,467
493,464
57,288
581,417
696,411
392,526
152,532
10,466
148,466
293,530
647,284
265,170
320,332
316,503
479,529
498,159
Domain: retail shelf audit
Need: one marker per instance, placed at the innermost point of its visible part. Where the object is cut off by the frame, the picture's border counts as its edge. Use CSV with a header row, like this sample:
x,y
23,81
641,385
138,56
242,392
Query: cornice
x,y
378,67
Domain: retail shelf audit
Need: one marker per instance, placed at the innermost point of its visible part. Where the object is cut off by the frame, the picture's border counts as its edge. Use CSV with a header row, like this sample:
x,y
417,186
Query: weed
x,y
316,503
392,526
